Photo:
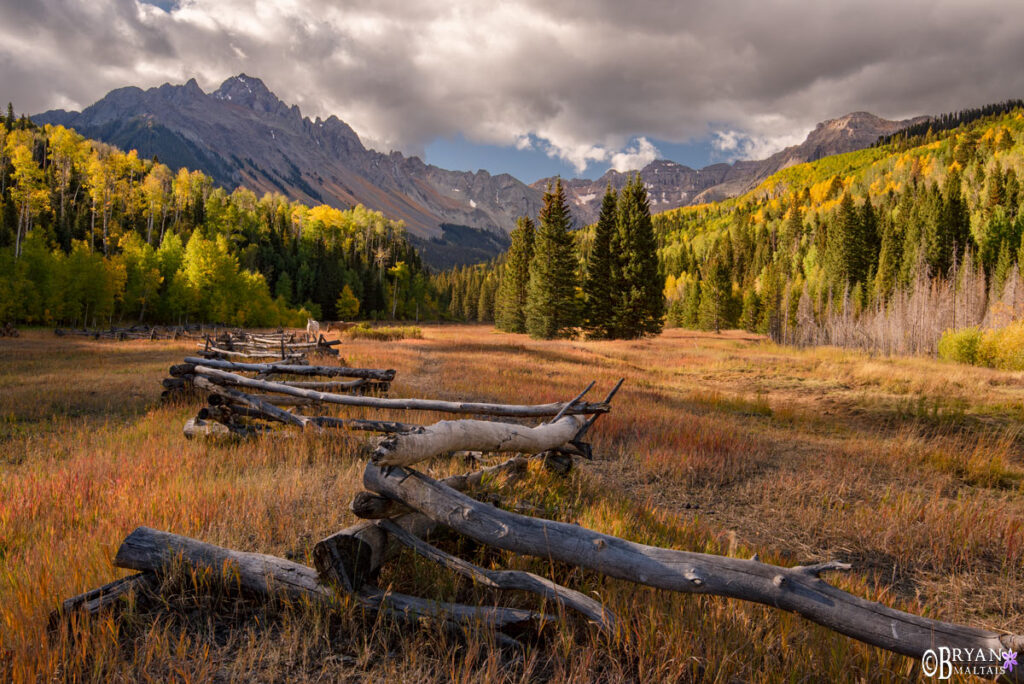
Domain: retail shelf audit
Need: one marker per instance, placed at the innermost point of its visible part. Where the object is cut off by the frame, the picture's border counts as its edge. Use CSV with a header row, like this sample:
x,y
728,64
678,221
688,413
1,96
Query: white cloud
x,y
636,157
731,145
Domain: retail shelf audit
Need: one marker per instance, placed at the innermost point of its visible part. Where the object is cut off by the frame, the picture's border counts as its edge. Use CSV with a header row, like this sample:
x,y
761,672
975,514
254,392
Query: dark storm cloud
x,y
583,78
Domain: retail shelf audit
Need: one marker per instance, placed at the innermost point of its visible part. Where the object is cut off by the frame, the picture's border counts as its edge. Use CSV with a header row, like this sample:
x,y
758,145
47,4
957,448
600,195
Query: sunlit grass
x,y
909,468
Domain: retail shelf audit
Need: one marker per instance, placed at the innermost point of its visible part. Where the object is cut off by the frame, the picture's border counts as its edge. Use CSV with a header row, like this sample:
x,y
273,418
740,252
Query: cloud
x,y
584,80
636,157
732,145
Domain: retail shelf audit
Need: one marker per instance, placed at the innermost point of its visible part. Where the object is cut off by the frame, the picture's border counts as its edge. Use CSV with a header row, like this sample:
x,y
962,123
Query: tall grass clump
x,y
365,332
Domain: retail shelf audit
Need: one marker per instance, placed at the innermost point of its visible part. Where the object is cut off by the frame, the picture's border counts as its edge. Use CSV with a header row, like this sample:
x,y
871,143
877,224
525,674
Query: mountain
x,y
242,134
671,185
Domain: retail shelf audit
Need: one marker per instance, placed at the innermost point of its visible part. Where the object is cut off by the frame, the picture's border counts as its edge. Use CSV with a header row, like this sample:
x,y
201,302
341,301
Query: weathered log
x,y
592,419
176,383
405,449
521,411
225,413
286,369
363,425
199,427
273,399
328,385
798,589
354,556
370,506
107,596
506,579
218,353
254,403
150,550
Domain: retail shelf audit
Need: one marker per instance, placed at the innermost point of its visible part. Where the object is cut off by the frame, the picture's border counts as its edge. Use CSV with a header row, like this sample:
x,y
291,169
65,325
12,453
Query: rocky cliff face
x,y
671,185
242,134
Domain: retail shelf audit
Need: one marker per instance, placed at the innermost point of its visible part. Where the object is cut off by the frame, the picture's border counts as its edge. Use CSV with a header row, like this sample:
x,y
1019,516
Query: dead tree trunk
x,y
473,435
798,589
506,579
286,369
150,550
516,411
354,556
253,403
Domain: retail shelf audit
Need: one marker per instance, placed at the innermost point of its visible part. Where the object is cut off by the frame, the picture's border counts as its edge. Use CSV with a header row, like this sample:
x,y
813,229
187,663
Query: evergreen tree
x,y
715,292
640,286
842,258
869,238
510,301
551,307
751,310
600,308
794,227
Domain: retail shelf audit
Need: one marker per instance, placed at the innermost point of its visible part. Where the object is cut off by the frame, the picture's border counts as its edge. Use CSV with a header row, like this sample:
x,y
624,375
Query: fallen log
x,y
107,596
199,427
268,398
506,579
370,506
287,369
253,402
520,411
226,413
799,589
353,556
328,385
150,550
405,449
218,353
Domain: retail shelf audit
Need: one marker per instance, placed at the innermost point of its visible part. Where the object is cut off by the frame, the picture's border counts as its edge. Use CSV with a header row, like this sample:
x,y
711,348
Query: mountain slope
x,y
671,185
242,134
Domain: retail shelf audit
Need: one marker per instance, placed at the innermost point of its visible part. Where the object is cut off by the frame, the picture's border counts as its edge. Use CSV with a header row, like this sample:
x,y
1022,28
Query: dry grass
x,y
910,468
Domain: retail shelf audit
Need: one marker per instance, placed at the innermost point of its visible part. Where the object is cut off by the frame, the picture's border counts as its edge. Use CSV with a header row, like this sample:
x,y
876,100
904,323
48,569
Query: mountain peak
x,y
250,92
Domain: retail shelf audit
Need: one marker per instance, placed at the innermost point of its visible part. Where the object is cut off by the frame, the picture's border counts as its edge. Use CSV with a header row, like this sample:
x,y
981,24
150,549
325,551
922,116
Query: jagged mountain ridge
x,y
671,185
242,134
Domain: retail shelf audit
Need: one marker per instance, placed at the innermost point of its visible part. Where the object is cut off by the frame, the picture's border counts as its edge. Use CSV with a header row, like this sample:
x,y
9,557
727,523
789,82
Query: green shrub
x,y
364,331
1003,348
960,345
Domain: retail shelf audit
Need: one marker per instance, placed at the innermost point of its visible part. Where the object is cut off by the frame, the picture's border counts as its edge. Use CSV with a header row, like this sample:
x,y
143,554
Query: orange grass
x,y
910,468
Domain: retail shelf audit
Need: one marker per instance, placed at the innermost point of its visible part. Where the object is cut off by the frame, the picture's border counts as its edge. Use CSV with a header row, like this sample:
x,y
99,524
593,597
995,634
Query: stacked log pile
x,y
281,346
403,507
230,411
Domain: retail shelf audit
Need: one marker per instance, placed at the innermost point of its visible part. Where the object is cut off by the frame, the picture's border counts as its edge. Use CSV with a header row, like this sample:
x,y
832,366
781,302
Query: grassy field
x,y
911,469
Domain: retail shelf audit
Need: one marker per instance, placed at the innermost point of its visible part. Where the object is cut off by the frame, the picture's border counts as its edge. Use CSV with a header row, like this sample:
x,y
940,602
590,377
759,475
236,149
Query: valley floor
x,y
912,469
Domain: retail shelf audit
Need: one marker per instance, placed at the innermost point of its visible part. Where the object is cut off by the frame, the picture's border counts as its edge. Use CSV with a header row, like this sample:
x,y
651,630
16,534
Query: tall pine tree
x,y
638,281
510,302
598,288
551,307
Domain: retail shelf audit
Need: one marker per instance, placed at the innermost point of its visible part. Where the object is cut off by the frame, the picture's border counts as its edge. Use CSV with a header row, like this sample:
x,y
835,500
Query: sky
x,y
536,88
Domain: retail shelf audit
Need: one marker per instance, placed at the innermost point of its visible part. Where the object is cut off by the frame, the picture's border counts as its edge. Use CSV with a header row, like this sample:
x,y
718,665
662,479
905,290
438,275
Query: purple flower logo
x,y
1009,660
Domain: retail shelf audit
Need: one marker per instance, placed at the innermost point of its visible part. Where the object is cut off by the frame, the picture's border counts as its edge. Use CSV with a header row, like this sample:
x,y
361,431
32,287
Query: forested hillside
x,y
883,248
90,233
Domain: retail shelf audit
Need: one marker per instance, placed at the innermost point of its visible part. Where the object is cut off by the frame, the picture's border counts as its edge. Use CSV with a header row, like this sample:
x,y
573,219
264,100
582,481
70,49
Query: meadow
x,y
909,468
